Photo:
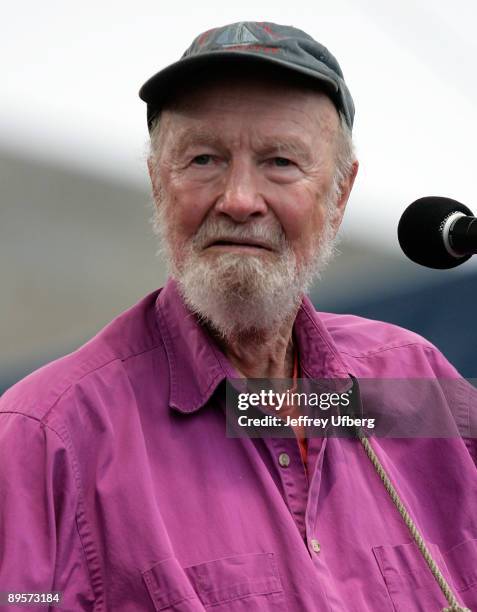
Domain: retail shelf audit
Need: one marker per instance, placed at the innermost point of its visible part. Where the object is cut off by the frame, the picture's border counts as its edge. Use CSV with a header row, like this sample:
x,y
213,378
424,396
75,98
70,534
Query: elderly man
x,y
119,486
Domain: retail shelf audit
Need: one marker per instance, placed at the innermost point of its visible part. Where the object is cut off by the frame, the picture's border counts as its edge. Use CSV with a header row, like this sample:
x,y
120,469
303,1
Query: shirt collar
x,y
197,365
318,353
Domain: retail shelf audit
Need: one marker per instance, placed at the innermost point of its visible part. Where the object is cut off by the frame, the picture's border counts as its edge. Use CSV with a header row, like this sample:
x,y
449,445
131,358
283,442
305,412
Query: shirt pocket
x,y
461,561
409,581
247,582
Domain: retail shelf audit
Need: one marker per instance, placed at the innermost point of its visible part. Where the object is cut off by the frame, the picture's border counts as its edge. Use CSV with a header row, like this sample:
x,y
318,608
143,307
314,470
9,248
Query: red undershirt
x,y
301,439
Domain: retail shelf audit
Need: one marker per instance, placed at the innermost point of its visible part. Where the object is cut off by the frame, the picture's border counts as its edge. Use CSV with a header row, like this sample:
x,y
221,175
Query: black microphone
x,y
438,232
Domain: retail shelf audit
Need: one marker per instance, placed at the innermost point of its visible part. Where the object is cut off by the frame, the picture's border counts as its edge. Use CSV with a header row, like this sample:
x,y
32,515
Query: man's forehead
x,y
273,140
302,142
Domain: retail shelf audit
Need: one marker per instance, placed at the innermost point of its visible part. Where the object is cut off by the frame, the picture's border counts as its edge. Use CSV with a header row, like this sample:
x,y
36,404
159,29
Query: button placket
x,y
287,458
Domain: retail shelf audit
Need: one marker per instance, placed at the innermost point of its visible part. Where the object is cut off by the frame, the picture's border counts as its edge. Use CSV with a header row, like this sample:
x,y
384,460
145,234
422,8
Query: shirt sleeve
x,y
462,398
40,547
469,429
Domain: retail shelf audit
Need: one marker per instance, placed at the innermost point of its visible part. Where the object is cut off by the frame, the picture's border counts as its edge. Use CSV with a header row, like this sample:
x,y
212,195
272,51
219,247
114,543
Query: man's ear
x,y
346,187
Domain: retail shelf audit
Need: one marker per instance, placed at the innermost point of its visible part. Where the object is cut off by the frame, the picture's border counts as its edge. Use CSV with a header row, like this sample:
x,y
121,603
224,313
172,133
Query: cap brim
x,y
161,86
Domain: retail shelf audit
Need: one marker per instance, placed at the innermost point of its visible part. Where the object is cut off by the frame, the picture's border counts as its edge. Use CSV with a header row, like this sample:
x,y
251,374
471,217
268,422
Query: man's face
x,y
243,180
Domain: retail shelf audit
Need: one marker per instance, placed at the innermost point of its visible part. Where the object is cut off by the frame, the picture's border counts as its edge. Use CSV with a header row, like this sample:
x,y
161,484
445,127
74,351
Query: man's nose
x,y
241,198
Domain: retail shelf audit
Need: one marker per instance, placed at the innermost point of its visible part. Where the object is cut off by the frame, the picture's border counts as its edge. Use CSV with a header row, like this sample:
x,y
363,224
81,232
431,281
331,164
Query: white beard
x,y
241,294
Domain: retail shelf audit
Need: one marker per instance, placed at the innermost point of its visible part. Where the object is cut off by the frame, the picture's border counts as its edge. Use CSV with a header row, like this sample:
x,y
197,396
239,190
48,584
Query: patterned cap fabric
x,y
260,43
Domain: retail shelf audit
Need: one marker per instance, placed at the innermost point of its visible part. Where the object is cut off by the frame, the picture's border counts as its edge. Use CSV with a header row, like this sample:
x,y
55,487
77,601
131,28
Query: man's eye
x,y
282,162
202,160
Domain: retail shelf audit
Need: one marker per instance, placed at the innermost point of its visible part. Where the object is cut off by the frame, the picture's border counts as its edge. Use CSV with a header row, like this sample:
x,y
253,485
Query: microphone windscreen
x,y
420,232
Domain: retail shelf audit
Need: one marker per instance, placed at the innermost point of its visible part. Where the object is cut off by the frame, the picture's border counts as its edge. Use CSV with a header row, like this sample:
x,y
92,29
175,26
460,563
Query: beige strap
x,y
441,581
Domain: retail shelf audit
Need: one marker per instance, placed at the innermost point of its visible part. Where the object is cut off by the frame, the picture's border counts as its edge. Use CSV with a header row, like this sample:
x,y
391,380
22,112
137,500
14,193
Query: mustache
x,y
213,230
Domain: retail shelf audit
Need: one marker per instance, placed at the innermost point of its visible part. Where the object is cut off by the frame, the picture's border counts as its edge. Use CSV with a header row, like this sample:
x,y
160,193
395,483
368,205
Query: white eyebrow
x,y
195,136
284,145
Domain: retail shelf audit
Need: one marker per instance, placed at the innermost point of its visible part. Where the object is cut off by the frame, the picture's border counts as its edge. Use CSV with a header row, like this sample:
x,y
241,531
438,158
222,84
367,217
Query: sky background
x,y
71,73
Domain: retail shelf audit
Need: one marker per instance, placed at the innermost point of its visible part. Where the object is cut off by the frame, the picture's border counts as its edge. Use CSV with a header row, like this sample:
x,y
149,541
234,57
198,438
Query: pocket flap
x,y
221,581
410,583
169,587
462,563
235,577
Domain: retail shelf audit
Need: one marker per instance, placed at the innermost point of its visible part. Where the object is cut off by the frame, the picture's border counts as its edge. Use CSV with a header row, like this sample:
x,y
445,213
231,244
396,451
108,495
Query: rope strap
x,y
441,581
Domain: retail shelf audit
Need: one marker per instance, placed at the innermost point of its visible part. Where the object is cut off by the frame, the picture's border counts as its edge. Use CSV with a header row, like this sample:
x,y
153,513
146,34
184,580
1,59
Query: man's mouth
x,y
239,243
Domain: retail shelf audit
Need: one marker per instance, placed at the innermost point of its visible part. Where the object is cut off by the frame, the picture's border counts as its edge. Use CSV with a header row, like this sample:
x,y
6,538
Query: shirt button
x,y
284,459
315,546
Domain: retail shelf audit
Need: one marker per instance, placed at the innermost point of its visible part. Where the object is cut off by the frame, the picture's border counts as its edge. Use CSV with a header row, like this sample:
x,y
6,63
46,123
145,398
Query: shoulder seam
x,y
42,424
423,345
70,385
91,371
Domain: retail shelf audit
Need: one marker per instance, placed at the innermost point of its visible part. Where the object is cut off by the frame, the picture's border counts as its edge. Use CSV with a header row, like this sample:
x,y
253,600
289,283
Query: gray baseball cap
x,y
260,43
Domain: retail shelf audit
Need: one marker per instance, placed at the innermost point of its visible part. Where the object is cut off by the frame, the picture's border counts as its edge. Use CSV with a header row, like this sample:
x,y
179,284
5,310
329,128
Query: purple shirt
x,y
119,487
